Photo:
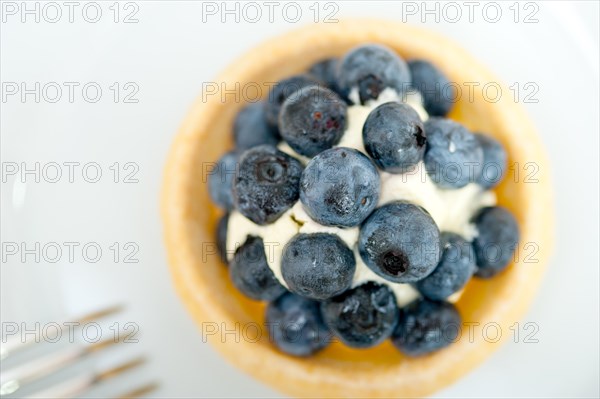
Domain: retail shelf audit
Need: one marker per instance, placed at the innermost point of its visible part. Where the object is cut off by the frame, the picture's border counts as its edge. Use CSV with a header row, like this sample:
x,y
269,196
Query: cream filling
x,y
452,210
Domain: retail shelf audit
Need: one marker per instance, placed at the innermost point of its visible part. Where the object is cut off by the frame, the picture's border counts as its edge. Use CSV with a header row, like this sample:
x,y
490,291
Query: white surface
x,y
168,54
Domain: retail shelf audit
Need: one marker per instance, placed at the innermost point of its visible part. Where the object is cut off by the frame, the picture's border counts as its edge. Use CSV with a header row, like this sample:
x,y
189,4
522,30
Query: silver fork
x,y
16,344
13,379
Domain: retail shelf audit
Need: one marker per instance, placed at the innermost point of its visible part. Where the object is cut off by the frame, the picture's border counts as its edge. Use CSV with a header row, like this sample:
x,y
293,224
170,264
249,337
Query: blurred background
x,y
92,95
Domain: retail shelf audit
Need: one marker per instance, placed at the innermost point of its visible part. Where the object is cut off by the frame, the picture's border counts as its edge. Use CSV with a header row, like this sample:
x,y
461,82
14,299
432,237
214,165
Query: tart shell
x,y
490,307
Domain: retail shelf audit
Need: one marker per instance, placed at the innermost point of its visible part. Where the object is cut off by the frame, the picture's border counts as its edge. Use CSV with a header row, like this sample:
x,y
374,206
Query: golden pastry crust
x,y
203,283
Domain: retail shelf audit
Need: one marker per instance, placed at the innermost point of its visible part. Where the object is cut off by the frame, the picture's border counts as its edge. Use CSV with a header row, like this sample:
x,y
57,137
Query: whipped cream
x,y
452,210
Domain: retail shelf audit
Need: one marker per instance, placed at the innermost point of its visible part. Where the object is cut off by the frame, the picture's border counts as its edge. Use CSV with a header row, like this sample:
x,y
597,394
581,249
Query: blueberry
x,y
362,317
456,267
222,237
280,92
325,71
496,241
250,128
317,266
296,326
453,157
251,274
394,137
425,326
220,181
312,120
434,87
267,184
371,68
339,187
400,242
494,161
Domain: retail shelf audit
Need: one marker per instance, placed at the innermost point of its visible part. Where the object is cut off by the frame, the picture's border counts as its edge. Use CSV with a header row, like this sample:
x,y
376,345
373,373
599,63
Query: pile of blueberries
x,y
340,186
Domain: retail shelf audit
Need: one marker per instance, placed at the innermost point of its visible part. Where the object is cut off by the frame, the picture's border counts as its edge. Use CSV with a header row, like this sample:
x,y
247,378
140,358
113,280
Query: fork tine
x,y
98,346
139,392
98,314
81,384
115,371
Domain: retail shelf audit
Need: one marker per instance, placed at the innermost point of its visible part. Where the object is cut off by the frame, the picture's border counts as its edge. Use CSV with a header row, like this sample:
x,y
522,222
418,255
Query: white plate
x,y
167,55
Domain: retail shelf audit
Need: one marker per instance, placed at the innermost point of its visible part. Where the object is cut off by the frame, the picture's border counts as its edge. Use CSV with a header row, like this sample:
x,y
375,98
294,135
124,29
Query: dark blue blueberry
x,y
267,184
400,242
220,181
494,161
394,137
250,128
222,237
371,68
426,326
456,267
317,266
435,88
326,71
251,274
281,91
362,317
453,157
496,241
339,187
296,326
312,120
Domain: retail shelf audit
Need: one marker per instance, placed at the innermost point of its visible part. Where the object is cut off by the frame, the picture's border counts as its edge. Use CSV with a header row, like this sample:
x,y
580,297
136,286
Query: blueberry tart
x,y
360,216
